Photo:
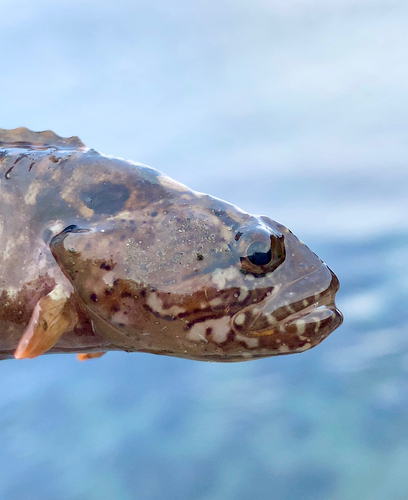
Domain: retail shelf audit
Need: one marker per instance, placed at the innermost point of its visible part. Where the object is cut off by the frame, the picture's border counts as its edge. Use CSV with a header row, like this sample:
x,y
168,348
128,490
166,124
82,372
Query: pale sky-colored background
x,y
247,100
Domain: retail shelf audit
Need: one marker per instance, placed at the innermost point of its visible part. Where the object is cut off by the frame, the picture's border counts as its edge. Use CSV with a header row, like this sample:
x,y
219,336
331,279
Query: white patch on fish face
x,y
225,231
12,244
300,326
220,277
220,329
156,304
32,192
215,302
121,317
86,212
243,293
271,319
12,293
249,341
109,277
59,293
124,215
240,319
56,227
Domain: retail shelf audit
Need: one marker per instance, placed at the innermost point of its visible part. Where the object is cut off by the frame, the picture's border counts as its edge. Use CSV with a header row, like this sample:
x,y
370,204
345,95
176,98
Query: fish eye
x,y
261,250
259,253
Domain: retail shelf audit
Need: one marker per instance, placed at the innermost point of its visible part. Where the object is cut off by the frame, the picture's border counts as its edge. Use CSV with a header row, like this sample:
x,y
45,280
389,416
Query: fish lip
x,y
334,320
325,298
325,301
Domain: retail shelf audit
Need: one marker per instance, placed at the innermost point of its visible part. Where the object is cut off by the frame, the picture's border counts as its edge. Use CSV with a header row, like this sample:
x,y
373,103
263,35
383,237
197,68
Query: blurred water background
x,y
292,108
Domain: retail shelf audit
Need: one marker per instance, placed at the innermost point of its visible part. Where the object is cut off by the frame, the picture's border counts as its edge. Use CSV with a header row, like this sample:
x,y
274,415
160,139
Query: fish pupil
x,y
259,254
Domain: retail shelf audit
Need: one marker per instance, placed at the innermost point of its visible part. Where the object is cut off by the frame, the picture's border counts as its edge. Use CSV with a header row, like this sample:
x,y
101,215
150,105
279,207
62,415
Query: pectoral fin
x,y
52,316
83,356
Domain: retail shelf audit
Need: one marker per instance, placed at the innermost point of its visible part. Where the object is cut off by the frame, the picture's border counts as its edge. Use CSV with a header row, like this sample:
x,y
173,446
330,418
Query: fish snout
x,y
284,327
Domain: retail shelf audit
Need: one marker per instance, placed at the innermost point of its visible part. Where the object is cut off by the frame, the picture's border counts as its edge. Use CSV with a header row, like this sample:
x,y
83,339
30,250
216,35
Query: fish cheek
x,y
84,258
91,265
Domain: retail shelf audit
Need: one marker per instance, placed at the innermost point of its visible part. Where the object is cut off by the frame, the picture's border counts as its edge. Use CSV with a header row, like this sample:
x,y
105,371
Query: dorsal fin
x,y
23,137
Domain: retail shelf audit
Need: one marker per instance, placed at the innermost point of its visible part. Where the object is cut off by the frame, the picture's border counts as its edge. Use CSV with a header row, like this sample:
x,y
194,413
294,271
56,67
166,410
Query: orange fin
x,y
51,317
83,356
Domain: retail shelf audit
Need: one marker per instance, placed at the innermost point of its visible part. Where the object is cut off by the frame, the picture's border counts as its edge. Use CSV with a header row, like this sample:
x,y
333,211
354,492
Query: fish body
x,y
98,254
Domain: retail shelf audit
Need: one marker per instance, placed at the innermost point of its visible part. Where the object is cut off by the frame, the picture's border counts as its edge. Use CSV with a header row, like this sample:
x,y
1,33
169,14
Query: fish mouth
x,y
302,324
314,322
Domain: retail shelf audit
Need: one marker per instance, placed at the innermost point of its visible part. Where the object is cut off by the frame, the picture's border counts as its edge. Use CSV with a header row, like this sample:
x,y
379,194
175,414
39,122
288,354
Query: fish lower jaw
x,y
305,328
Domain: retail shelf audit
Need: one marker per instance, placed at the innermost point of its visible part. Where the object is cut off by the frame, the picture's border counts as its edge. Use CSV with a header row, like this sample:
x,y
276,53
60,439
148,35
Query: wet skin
x,y
98,253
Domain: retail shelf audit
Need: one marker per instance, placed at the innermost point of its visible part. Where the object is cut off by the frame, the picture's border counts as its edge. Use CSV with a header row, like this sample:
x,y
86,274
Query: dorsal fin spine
x,y
23,137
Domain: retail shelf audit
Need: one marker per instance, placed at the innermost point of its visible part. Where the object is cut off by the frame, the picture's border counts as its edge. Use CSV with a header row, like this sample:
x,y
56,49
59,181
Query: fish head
x,y
200,280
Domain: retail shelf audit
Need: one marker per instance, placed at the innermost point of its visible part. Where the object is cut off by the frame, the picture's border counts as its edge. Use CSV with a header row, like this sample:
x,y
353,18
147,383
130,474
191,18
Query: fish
x,y
101,254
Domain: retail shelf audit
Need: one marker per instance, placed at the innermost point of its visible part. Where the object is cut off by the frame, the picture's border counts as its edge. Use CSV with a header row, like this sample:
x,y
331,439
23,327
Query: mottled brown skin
x,y
145,264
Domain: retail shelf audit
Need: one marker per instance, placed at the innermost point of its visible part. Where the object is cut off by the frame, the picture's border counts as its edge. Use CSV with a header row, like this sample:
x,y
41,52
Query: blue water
x,y
295,109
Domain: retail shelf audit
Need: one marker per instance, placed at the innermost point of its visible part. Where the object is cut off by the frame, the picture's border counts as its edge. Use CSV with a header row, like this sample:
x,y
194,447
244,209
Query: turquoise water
x,y
293,109
329,423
